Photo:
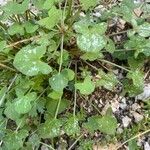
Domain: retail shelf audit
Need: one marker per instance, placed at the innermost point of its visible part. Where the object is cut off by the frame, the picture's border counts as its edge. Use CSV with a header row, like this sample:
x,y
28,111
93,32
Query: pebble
x,y
138,117
146,93
135,106
126,121
146,146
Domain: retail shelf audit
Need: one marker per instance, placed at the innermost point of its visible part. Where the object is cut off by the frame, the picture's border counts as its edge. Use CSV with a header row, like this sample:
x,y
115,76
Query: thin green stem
x,y
61,53
3,26
75,142
57,109
70,3
113,64
9,87
75,93
134,137
117,33
49,146
91,66
7,67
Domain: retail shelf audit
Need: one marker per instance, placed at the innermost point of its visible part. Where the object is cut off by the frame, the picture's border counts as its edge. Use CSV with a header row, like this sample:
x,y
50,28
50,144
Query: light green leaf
x,y
29,27
68,73
91,56
50,129
71,127
110,47
3,45
106,124
15,140
99,28
38,4
108,81
144,29
82,25
16,29
27,61
92,37
10,111
55,95
88,3
52,20
137,78
139,44
133,145
58,82
48,4
52,106
92,124
23,104
90,42
15,8
87,87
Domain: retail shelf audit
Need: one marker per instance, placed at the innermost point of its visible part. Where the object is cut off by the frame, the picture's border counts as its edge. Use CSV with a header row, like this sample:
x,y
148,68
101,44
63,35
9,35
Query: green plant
x,y
50,54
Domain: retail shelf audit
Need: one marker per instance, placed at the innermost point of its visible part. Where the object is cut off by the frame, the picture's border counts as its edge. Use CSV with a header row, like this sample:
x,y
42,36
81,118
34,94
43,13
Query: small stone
x,y
146,146
126,121
123,106
119,130
115,106
135,106
146,93
138,117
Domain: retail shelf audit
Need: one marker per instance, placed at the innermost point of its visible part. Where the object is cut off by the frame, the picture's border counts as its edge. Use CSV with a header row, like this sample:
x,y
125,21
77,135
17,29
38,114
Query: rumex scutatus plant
x,y
52,52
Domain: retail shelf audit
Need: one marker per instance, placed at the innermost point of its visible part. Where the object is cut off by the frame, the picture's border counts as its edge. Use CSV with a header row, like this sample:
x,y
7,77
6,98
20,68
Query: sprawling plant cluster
x,y
51,52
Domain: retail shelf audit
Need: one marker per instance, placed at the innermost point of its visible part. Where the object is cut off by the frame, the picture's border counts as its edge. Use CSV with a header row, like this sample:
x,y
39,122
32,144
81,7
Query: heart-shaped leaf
x,y
87,87
50,129
72,127
27,61
52,20
91,36
23,104
58,82
88,3
144,29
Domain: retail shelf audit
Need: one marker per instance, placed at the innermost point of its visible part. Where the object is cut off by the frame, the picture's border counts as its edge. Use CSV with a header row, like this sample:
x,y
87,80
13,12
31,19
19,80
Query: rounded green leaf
x,y
23,104
68,73
58,82
144,29
16,29
91,42
50,129
108,124
87,87
72,126
27,61
88,3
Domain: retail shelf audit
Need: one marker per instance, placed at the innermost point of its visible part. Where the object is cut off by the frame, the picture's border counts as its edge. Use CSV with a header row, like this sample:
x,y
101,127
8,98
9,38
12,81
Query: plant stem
x,y
3,26
24,40
61,53
91,66
75,142
70,2
47,145
108,62
75,92
117,33
7,67
134,137
9,87
57,109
